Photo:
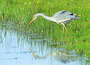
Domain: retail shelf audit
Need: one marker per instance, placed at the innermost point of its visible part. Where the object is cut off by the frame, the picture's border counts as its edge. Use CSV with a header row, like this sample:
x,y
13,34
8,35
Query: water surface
x,y
15,50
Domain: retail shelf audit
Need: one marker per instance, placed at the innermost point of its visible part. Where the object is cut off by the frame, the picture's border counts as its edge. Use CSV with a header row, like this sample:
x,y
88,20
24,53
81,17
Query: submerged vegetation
x,y
77,38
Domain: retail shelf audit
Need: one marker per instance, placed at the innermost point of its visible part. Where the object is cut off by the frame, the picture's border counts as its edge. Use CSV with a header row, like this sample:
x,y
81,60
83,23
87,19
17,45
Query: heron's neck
x,y
46,17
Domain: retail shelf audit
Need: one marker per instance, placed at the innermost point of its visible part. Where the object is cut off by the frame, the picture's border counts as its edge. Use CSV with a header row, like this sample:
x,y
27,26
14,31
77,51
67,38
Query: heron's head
x,y
34,17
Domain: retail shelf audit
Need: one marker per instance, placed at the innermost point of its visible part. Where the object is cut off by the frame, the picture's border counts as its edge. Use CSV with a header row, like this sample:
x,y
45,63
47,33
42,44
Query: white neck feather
x,y
46,17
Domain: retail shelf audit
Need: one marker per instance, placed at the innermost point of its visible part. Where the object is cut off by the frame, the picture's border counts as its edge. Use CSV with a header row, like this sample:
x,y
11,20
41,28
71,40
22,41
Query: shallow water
x,y
15,50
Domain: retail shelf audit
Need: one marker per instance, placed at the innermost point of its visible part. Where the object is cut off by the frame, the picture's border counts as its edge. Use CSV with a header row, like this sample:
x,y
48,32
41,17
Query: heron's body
x,y
60,17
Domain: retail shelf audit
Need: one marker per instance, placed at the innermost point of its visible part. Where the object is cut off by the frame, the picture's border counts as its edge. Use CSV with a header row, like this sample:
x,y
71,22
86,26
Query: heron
x,y
61,17
60,55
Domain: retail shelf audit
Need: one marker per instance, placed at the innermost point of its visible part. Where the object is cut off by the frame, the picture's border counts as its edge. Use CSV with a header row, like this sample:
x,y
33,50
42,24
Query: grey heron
x,y
61,17
60,55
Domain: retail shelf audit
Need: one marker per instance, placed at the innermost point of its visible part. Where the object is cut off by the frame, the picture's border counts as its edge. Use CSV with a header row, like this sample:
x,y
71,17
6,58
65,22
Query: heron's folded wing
x,y
60,12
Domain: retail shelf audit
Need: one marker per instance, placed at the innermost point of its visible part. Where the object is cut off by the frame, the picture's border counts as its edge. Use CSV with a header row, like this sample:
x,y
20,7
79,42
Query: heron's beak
x,y
31,50
31,20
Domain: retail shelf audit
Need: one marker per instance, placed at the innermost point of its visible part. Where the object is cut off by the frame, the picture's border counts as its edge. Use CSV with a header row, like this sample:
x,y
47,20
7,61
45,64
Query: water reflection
x,y
14,50
61,56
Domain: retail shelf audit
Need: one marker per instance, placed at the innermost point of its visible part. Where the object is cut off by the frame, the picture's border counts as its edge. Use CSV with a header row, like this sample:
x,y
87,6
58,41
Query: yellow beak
x,y
31,20
31,50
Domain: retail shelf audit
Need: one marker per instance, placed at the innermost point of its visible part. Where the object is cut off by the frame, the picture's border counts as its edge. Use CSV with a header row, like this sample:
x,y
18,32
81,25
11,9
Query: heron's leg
x,y
64,26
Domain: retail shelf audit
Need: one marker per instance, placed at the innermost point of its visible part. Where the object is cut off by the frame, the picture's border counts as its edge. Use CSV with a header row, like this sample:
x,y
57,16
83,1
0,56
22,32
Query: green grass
x,y
77,38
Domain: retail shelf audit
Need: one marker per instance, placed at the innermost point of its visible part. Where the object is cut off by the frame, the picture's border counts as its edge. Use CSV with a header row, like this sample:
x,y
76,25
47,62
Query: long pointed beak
x,y
31,50
31,20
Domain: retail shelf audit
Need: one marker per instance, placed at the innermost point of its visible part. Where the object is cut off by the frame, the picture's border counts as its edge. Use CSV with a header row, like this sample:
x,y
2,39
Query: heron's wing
x,y
62,12
58,13
61,16
64,16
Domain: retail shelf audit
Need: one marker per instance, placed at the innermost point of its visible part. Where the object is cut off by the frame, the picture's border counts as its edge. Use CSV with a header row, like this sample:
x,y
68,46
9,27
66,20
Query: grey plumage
x,y
64,17
61,17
